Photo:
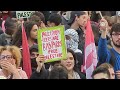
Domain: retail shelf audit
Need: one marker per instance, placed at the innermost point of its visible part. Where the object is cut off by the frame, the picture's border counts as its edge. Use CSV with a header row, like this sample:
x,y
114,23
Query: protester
x,y
72,40
54,20
101,73
40,19
33,55
31,33
10,28
10,58
41,72
46,15
78,20
110,68
106,55
35,18
58,72
71,65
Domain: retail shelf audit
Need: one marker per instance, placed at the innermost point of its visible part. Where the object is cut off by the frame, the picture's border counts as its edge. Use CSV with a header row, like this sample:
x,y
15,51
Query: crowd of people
x,y
106,32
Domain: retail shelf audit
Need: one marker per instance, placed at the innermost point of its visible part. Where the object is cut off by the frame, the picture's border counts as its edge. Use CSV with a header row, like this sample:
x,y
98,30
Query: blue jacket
x,y
104,54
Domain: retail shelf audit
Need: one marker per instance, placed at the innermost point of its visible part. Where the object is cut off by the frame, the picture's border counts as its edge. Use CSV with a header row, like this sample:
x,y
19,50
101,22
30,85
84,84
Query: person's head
x,y
70,62
114,19
110,68
31,29
10,26
115,35
36,19
31,33
86,12
33,55
53,64
101,73
79,18
10,54
54,20
40,15
58,72
72,39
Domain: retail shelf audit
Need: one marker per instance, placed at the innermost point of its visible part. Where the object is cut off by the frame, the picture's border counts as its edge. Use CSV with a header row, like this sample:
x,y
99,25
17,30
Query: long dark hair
x,y
17,39
75,59
75,68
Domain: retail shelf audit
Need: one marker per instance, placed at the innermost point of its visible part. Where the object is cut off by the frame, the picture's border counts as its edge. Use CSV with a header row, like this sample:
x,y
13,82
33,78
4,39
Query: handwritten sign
x,y
23,14
51,43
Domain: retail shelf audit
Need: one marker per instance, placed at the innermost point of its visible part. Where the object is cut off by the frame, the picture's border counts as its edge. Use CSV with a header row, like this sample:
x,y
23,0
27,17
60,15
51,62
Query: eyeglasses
x,y
116,34
2,57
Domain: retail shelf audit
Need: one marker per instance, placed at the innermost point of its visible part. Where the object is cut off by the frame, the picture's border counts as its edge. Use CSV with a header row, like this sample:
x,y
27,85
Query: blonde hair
x,y
15,51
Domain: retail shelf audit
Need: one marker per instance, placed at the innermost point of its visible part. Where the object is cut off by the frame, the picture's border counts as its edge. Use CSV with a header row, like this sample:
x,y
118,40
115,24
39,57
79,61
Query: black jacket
x,y
3,40
82,75
79,58
43,74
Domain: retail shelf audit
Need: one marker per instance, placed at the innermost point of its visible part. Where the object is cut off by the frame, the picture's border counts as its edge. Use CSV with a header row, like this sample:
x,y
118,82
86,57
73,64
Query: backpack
x,y
112,59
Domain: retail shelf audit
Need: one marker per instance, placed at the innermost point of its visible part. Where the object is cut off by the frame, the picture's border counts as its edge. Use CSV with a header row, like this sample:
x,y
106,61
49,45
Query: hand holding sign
x,y
40,62
51,43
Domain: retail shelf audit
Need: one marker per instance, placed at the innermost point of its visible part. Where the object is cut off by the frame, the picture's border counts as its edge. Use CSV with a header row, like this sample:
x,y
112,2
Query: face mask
x,y
33,63
72,44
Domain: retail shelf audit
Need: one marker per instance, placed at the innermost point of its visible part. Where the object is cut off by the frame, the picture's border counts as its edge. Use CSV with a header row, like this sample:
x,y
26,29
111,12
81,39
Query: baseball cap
x,y
73,15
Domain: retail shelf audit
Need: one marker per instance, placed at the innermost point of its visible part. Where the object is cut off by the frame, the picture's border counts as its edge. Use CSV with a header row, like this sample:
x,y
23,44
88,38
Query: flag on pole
x,y
90,55
26,53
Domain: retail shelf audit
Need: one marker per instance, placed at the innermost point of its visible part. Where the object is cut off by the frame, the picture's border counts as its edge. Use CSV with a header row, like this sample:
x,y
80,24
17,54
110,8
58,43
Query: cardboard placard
x,y
51,43
23,14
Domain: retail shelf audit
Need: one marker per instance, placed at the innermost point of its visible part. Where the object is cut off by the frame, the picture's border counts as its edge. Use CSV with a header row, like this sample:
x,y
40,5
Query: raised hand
x,y
103,24
40,62
103,27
